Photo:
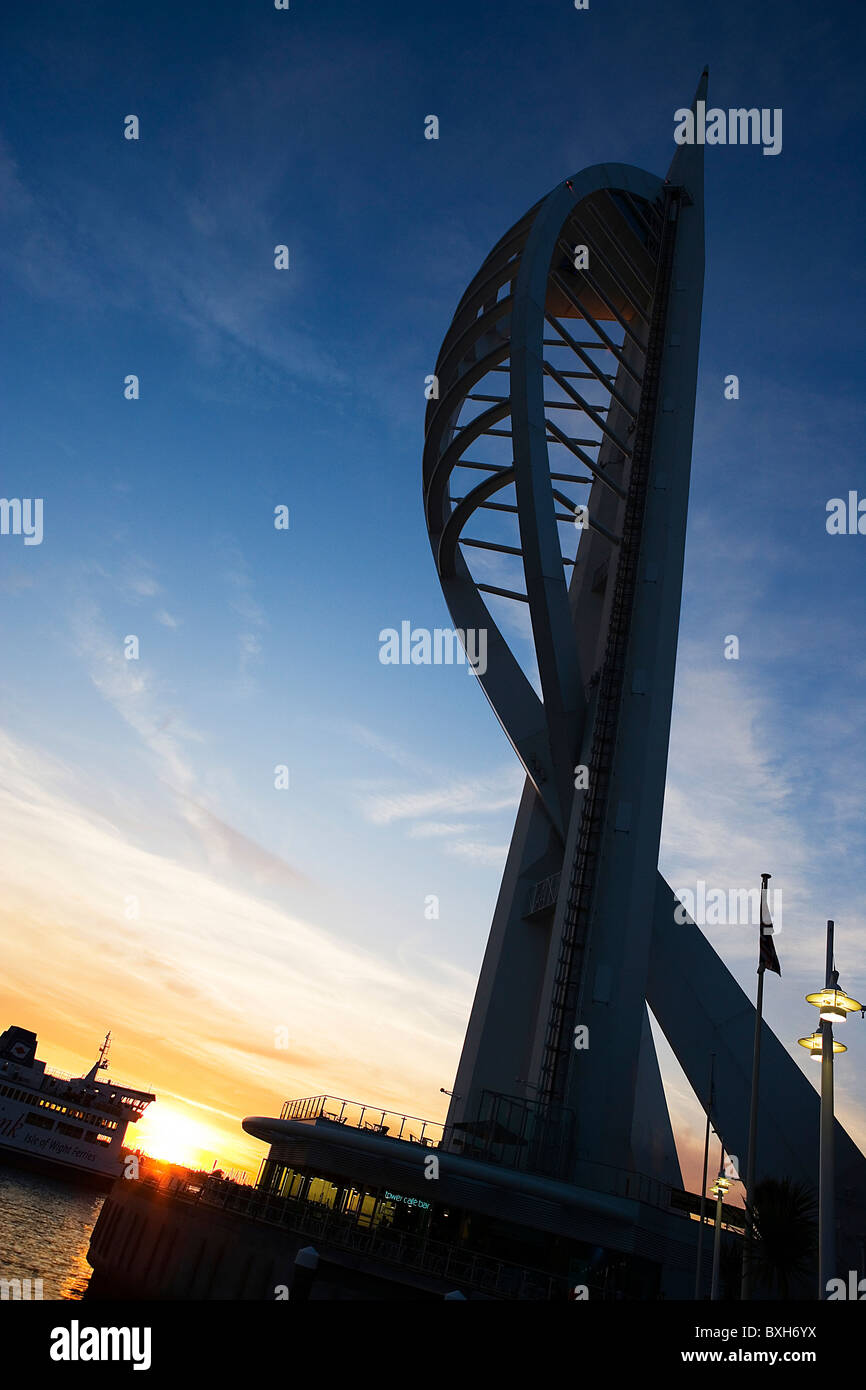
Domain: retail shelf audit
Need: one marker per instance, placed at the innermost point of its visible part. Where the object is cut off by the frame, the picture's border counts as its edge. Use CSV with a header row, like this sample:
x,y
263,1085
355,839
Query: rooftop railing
x,y
120,1088
57,1074
388,1124
503,1136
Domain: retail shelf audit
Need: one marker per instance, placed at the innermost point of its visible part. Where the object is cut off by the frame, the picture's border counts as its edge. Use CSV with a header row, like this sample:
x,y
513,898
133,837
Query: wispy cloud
x,y
387,747
479,853
221,291
436,829
484,796
133,691
474,796
203,974
244,605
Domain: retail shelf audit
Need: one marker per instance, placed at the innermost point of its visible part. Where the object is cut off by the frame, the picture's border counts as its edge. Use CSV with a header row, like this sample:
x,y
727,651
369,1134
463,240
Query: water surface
x,y
45,1226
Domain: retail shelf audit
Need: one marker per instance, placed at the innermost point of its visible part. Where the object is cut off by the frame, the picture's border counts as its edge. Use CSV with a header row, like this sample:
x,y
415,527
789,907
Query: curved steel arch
x,y
494,332
578,342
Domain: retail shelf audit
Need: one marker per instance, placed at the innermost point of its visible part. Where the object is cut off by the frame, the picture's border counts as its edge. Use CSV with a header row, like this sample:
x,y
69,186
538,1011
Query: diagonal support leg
x,y
701,1009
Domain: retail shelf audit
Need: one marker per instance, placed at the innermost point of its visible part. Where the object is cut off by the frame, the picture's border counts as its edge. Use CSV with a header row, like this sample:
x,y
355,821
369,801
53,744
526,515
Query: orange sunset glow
x,y
221,1001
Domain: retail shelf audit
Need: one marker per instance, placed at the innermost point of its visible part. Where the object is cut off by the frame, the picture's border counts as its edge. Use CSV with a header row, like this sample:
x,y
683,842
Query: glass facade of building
x,y
383,1210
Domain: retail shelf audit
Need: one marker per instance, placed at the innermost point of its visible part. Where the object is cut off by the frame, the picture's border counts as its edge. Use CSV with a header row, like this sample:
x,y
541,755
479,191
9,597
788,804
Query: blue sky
x,y
154,779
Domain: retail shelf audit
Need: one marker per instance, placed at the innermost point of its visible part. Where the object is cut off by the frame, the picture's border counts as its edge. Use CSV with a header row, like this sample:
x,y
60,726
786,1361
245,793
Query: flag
x,y
768,958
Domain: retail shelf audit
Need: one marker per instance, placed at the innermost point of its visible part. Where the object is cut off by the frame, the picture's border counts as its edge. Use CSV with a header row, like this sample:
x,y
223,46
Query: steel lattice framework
x,y
538,398
524,290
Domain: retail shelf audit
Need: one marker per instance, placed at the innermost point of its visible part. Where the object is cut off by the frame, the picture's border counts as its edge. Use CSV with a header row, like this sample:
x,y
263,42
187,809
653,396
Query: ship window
x,y
90,1137
40,1121
102,1139
74,1131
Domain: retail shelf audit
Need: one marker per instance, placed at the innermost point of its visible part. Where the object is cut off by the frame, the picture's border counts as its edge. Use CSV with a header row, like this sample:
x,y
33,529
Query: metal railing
x,y
502,1135
434,1258
388,1124
618,1182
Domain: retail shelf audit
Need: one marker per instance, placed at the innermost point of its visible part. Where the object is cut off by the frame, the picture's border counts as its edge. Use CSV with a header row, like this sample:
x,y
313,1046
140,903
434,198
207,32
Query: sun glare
x,y
171,1135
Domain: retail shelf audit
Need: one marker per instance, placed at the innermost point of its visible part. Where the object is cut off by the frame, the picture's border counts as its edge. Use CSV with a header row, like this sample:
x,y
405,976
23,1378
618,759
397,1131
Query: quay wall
x,y
149,1243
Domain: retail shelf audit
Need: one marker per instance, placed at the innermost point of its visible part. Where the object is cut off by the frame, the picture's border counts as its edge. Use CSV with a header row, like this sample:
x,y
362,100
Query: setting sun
x,y
169,1134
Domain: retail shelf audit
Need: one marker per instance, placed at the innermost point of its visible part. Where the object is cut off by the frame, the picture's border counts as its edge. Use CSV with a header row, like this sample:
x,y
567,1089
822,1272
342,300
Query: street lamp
x,y
834,1005
718,1191
815,1044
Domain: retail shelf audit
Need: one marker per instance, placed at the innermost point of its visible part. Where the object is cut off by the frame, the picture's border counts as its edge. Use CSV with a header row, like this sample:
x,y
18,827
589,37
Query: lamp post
x,y
835,1005
698,1268
718,1191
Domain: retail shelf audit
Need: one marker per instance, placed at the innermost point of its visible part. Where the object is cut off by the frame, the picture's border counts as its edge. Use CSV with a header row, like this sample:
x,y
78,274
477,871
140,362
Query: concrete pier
x,y
235,1243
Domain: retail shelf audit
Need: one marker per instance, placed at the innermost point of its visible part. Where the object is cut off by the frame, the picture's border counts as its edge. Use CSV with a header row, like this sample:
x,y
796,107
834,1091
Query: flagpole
x,y
746,1284
698,1270
717,1231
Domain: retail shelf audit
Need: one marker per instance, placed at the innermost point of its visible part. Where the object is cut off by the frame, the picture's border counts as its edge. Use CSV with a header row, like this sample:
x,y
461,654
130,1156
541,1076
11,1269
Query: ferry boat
x,y
70,1127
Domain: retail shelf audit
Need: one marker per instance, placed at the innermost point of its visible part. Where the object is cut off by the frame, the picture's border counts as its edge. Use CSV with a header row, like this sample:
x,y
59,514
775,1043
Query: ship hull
x,y
56,1168
69,1127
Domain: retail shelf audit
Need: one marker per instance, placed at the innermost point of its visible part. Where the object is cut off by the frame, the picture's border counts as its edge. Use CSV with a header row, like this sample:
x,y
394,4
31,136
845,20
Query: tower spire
x,y
687,166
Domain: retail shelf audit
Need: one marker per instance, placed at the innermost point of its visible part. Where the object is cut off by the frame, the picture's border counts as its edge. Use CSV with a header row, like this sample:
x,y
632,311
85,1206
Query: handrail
x,y
437,1258
637,1186
360,1116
